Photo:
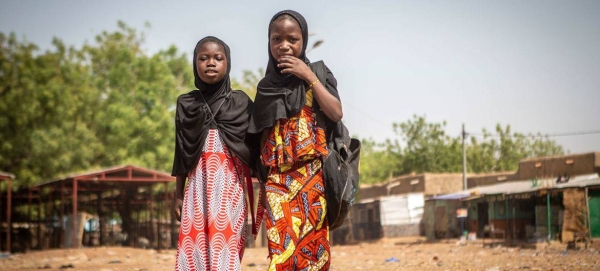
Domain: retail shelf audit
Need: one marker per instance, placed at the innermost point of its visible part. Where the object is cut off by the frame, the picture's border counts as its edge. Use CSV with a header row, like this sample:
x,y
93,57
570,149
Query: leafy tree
x,y
43,111
378,161
135,113
428,148
249,82
504,151
422,146
68,110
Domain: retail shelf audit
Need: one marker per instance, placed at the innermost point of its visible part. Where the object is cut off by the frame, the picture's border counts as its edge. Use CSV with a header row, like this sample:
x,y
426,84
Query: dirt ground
x,y
387,254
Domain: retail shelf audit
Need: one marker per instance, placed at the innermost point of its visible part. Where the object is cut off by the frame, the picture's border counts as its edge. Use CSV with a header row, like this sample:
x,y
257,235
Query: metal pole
x,y
62,211
100,217
506,217
167,207
464,157
74,221
8,214
49,216
29,218
152,236
513,224
2,222
39,221
549,213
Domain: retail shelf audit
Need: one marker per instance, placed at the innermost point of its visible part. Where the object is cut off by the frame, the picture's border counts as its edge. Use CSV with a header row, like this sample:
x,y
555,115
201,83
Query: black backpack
x,y
340,167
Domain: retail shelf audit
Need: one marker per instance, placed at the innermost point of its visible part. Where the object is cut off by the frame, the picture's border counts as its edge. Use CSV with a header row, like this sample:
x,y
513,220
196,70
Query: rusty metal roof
x,y
6,175
125,173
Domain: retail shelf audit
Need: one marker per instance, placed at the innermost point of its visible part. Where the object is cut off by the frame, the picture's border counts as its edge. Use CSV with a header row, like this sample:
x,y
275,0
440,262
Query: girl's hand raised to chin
x,y
297,67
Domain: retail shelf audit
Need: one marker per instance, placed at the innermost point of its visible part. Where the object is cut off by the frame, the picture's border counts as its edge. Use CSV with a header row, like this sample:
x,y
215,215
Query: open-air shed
x,y
119,204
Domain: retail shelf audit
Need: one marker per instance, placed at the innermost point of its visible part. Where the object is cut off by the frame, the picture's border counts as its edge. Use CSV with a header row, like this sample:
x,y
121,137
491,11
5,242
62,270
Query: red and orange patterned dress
x,y
297,228
213,217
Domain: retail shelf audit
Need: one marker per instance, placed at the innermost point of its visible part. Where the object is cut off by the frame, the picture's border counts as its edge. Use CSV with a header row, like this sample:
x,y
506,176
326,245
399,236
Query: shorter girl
x,y
210,129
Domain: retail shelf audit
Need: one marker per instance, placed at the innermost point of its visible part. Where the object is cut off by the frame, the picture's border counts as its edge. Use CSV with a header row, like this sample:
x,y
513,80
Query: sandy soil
x,y
387,254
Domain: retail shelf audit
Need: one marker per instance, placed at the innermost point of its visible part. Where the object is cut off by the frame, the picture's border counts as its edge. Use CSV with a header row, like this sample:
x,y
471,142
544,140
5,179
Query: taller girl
x,y
292,147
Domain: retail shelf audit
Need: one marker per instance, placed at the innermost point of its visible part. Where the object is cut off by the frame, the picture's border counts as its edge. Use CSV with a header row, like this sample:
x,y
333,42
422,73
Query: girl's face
x,y
211,62
286,38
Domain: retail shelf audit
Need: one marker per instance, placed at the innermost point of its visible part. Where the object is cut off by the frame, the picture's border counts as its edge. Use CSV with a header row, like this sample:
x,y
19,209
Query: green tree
x,y
481,154
249,82
428,148
43,112
379,161
422,146
134,119
108,103
503,151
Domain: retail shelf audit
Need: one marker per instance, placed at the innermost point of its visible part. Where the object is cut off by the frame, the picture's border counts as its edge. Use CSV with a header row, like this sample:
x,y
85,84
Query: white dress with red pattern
x,y
213,218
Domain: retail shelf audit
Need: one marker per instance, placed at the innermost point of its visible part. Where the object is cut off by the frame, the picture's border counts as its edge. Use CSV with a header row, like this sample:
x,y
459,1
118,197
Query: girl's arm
x,y
330,105
179,190
179,186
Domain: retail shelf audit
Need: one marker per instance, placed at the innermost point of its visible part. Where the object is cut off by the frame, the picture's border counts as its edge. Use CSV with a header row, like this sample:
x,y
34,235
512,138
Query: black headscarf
x,y
282,96
193,117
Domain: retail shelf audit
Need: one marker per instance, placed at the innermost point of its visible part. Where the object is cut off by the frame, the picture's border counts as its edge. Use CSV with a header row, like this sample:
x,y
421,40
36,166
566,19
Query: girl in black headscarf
x,y
210,151
292,147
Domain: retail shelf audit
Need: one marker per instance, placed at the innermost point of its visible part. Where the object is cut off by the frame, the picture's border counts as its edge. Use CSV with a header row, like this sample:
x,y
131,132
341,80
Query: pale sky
x,y
532,64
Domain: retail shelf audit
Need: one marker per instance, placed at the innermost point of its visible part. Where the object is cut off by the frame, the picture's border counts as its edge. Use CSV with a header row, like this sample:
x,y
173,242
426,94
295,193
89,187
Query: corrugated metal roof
x,y
108,170
453,196
525,186
6,174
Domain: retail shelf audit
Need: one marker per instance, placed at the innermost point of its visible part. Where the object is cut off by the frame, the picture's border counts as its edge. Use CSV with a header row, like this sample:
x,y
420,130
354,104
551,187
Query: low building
x,y
526,210
394,208
543,167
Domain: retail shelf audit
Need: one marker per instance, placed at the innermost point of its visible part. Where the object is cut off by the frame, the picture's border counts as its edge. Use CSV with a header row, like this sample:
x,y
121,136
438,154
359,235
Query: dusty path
x,y
401,254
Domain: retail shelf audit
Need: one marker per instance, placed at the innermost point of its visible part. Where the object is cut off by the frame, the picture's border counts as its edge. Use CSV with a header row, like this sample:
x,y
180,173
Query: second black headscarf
x,y
193,117
282,95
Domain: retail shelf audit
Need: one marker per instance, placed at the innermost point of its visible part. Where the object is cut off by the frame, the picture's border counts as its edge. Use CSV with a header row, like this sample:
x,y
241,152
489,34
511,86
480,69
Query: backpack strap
x,y
321,72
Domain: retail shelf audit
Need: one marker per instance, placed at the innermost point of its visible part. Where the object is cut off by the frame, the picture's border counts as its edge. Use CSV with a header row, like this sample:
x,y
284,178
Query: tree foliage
x,y
422,146
249,82
110,103
71,109
379,161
